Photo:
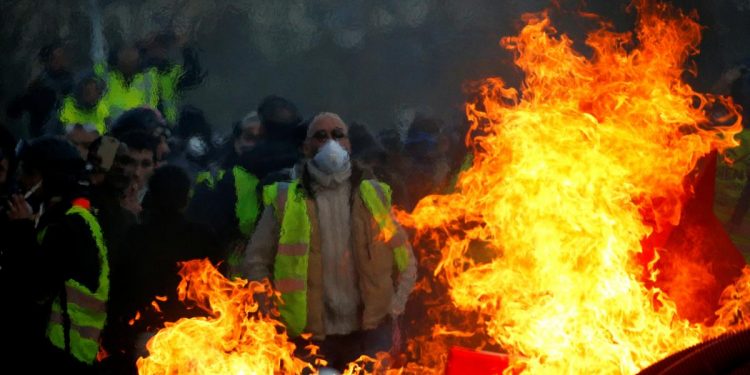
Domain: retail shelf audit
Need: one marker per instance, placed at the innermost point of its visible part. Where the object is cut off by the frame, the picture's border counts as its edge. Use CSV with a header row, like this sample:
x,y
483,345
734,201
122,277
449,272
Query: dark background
x,y
379,62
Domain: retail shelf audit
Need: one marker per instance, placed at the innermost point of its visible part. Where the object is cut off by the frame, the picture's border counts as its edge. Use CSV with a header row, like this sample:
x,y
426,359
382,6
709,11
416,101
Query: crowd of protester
x,y
118,181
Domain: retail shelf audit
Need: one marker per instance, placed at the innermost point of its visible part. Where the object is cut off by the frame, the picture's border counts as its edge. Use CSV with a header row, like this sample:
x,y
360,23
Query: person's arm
x,y
261,249
406,280
191,74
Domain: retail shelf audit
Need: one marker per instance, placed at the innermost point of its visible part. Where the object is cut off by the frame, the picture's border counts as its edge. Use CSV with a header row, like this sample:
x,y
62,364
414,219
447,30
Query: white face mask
x,y
332,158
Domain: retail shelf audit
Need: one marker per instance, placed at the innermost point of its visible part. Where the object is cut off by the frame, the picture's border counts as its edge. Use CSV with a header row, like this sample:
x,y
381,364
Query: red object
x,y
82,202
462,361
698,259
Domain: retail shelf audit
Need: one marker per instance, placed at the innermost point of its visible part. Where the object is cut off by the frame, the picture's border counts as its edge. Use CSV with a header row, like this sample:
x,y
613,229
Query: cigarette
x,y
32,190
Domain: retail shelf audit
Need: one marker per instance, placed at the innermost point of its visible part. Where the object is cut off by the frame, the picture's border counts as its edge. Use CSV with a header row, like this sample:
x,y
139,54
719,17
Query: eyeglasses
x,y
322,135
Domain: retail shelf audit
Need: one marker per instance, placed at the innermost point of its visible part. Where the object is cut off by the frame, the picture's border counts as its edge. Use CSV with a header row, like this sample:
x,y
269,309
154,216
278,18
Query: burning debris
x,y
234,339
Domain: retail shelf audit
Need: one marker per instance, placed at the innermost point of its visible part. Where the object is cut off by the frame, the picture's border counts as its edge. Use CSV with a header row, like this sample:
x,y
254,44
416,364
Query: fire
x,y
543,248
571,174
234,339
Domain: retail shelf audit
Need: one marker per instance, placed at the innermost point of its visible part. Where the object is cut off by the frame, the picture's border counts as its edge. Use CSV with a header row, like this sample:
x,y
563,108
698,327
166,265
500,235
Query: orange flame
x,y
234,339
570,175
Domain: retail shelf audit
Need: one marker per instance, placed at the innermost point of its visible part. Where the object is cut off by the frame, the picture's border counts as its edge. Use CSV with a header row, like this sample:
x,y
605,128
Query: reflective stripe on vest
x,y
86,310
290,265
71,114
247,206
377,197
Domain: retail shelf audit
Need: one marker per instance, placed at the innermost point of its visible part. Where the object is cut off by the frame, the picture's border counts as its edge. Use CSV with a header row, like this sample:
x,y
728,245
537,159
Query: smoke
x,y
97,32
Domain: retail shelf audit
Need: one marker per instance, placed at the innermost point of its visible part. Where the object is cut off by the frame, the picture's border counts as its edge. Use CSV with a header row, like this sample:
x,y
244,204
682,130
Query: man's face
x,y
58,60
127,60
143,162
248,138
91,94
323,130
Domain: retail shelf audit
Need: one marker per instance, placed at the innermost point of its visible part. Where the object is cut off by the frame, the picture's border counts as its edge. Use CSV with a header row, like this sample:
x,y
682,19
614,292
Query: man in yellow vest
x,y
330,245
69,257
128,86
172,78
83,116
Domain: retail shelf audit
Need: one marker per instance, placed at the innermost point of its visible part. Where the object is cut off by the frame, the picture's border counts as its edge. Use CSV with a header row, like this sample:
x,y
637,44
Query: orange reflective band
x,y
297,249
289,285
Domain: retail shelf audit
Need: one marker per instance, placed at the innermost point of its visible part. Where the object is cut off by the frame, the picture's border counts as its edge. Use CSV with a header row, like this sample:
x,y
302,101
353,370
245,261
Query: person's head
x,y
106,154
168,190
361,139
144,120
192,123
278,117
246,133
325,127
142,151
391,141
88,91
137,119
53,164
128,60
157,47
422,138
54,57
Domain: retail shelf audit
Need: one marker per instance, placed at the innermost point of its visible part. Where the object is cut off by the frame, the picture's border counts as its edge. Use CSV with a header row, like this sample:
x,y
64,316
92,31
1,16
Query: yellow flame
x,y
234,339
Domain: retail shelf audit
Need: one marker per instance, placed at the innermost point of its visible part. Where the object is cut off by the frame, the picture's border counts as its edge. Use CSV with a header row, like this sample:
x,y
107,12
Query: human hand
x,y
19,209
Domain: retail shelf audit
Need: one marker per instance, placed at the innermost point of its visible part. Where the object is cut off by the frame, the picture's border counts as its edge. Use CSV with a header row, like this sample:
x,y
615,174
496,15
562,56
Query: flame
x,y
234,339
541,249
570,175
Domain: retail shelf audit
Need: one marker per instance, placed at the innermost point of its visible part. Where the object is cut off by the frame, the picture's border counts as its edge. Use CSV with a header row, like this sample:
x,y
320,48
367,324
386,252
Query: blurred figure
x,y
395,164
154,249
733,181
273,158
83,116
426,151
66,296
85,107
192,145
228,198
358,265
246,133
172,79
44,94
128,85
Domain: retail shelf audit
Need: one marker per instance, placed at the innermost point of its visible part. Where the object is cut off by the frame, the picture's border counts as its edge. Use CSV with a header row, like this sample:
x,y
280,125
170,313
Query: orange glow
x,y
233,339
543,237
